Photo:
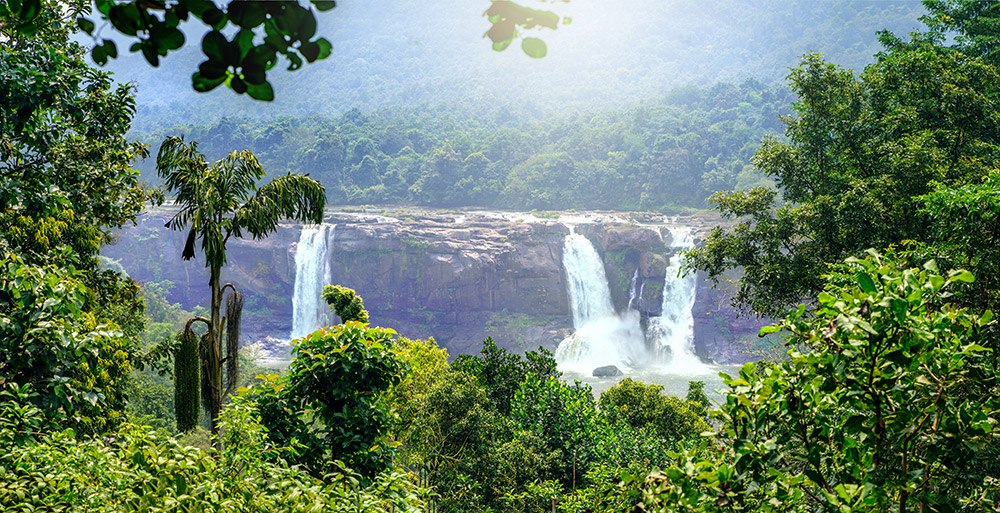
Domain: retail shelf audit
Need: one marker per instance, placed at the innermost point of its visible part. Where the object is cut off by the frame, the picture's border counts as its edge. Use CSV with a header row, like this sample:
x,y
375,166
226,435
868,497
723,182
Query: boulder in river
x,y
608,371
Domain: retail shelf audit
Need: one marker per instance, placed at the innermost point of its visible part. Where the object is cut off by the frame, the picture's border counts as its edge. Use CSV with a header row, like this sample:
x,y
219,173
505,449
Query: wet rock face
x,y
458,282
458,278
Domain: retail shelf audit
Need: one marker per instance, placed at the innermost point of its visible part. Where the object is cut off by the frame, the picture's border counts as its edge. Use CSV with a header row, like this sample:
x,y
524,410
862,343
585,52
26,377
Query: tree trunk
x,y
213,366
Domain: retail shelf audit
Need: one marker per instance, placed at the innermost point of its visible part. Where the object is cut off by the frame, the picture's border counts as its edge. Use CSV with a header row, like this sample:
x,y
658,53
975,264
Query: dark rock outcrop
x,y
457,277
608,371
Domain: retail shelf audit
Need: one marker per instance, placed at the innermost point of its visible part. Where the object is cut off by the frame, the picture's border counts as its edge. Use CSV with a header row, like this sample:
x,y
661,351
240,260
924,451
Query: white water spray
x,y
312,272
601,336
672,333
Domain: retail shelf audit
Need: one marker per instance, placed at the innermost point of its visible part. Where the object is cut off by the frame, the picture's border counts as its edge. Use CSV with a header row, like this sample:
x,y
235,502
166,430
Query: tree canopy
x,y
859,154
894,408
66,181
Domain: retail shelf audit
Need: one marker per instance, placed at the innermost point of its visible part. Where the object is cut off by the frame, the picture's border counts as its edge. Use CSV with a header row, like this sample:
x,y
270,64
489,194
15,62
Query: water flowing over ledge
x,y
312,272
604,337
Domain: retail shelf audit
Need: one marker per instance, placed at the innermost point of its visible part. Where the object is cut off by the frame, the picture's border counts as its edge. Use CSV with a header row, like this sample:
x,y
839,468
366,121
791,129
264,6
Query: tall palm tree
x,y
218,201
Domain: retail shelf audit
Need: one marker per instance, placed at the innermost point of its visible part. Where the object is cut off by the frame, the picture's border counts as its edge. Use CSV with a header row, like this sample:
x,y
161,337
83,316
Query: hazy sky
x,y
390,52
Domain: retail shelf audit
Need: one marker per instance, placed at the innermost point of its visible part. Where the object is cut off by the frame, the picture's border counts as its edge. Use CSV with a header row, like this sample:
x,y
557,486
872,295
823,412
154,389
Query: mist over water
x,y
605,337
601,337
312,272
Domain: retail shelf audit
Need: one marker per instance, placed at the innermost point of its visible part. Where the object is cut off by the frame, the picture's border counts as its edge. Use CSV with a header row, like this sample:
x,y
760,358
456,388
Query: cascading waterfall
x,y
672,333
601,337
312,272
633,294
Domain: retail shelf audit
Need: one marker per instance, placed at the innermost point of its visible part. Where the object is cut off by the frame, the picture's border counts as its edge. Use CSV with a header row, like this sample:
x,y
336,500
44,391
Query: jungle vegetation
x,y
876,214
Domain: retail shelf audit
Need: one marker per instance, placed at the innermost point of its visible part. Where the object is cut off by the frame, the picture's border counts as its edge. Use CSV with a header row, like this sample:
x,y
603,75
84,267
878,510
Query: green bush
x,y
139,470
501,373
639,406
340,376
77,364
894,408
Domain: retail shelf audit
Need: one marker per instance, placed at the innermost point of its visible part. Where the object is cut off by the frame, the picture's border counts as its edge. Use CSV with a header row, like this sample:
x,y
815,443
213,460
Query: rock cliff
x,y
457,277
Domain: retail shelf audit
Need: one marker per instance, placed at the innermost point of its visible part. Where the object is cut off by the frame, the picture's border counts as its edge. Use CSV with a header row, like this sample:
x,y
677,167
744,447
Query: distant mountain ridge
x,y
614,54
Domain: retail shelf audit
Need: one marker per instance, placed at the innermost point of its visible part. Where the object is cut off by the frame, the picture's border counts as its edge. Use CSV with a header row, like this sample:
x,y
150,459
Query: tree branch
x,y
207,322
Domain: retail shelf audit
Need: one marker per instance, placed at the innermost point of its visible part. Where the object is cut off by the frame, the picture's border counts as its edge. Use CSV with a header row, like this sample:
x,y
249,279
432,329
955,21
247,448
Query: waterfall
x,y
601,337
588,285
312,272
671,334
632,292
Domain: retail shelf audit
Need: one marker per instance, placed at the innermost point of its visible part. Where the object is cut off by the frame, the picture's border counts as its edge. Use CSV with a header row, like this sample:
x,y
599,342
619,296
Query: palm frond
x,y
287,197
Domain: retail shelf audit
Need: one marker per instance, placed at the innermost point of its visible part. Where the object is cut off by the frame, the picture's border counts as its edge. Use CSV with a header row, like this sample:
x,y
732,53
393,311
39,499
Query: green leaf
x,y
110,48
325,48
244,41
204,84
238,85
898,307
534,47
211,70
767,330
170,39
247,14
85,25
100,55
30,9
213,45
28,29
262,92
253,72
961,275
816,477
125,18
500,46
865,281
214,18
104,6
309,50
307,27
324,5
150,54
567,20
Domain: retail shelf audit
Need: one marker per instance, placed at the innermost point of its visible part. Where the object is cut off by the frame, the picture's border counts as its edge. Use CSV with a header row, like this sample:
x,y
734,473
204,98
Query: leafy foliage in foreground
x,y
76,363
860,152
138,470
503,432
67,328
332,406
896,409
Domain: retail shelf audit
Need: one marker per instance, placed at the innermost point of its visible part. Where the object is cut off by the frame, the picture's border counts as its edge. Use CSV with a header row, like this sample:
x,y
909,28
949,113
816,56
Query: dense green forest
x,y
665,155
870,227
